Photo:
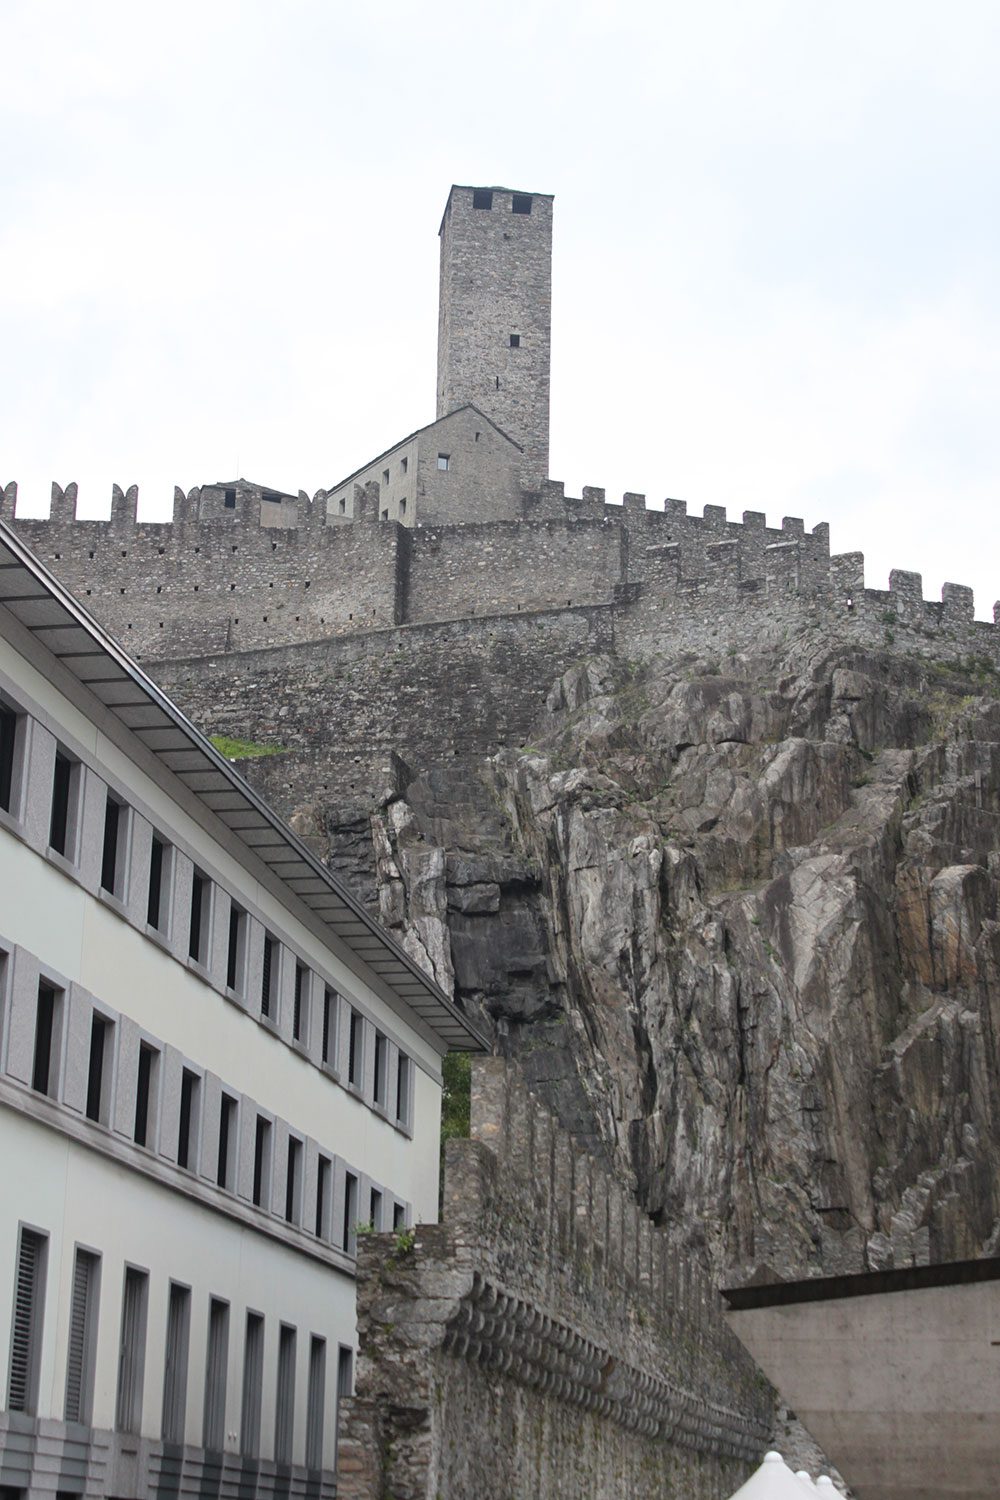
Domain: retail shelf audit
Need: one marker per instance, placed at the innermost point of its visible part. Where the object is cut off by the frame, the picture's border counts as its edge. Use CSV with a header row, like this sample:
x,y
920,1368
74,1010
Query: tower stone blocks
x,y
495,314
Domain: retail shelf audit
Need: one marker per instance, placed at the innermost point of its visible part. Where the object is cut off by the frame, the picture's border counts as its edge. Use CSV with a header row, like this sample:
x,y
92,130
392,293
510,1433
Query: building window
x,y
198,935
229,500
26,1333
345,1377
342,506
300,1011
187,1132
156,905
515,341
293,1182
482,198
385,476
329,1024
237,951
284,1416
225,1172
65,800
253,1385
269,979
399,1216
113,856
271,496
385,515
520,203
381,1069
444,460
175,1373
214,1426
48,1025
404,464
324,1177
375,1209
8,743
82,1347
315,1403
402,506
356,1050
145,1093
99,1068
350,1212
132,1351
404,1082
262,1163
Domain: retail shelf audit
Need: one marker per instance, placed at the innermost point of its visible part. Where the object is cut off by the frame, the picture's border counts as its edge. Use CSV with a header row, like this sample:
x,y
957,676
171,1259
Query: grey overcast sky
x,y
775,259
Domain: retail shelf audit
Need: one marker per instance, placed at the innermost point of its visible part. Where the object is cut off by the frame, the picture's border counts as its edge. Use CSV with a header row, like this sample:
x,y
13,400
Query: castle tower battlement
x,y
495,314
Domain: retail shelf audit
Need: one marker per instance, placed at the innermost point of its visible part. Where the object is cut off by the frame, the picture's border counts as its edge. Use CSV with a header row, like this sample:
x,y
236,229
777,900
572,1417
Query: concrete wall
x,y
543,1340
496,280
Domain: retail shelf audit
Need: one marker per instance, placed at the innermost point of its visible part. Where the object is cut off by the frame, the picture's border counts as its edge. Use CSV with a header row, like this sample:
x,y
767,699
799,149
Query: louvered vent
x,y
28,1291
81,1319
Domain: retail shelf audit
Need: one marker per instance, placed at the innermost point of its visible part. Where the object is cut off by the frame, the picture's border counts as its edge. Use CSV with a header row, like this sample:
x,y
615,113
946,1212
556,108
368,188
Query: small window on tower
x,y
482,198
444,460
230,500
515,341
520,203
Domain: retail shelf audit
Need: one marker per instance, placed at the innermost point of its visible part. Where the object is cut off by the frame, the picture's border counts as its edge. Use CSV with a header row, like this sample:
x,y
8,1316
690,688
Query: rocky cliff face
x,y
738,919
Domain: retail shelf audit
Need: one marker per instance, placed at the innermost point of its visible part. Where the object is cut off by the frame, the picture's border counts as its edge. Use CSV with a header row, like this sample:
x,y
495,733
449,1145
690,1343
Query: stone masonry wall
x,y
218,580
543,1340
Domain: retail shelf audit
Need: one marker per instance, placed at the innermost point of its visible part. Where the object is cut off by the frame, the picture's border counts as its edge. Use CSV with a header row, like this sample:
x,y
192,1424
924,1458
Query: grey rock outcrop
x,y
738,921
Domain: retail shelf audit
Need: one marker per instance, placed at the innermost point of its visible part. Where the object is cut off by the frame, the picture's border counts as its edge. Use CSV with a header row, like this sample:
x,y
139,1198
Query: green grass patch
x,y
243,749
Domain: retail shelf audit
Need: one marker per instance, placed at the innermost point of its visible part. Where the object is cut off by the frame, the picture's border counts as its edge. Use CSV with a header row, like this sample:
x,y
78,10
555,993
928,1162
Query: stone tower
x,y
495,314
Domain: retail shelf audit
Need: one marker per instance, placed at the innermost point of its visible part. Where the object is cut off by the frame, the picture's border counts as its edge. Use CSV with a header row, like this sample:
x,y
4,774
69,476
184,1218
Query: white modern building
x,y
214,1066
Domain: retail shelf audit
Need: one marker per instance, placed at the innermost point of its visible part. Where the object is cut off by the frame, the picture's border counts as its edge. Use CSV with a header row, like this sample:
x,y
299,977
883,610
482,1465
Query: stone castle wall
x,y
543,1339
218,580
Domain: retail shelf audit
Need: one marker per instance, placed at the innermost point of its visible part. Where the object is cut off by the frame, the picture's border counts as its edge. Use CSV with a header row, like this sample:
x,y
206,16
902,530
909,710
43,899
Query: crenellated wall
x,y
243,568
544,1339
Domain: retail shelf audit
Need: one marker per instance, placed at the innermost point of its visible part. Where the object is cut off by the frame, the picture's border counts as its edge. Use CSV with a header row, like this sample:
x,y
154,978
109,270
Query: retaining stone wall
x,y
544,1339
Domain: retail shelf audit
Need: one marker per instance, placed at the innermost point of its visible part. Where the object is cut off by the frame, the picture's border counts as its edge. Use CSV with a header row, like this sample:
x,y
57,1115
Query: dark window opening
x,y
144,1093
225,1172
201,890
154,913
111,858
271,496
402,506
62,781
268,976
515,341
299,1008
262,1162
355,1050
381,1069
375,1209
8,735
398,1216
520,203
444,460
402,1088
482,198
100,1035
43,1073
329,1001
188,1120
385,515
176,1364
230,500
236,948
350,1211
292,1177
323,1175
404,464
